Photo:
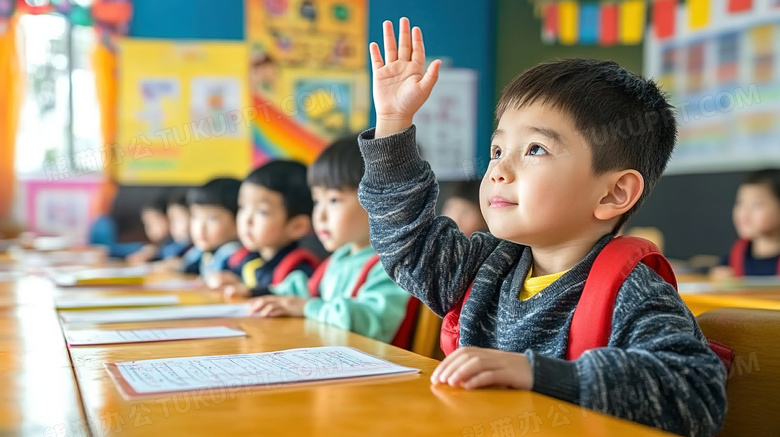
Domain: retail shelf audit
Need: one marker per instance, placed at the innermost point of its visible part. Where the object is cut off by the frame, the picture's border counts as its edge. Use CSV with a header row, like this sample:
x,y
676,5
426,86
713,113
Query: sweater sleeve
x,y
657,368
295,284
376,311
426,255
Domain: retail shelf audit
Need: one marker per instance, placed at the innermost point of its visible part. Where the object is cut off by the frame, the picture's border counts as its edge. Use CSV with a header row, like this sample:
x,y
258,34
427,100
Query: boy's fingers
x,y
391,52
418,48
467,370
376,57
482,379
431,76
446,369
404,40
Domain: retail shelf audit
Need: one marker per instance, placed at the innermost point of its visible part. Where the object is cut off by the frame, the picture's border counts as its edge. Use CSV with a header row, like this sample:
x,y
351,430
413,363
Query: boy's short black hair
x,y
218,192
466,190
339,166
158,203
178,197
624,118
769,177
287,178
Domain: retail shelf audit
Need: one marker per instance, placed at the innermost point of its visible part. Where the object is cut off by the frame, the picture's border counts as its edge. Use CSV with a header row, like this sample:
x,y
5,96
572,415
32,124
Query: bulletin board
x,y
725,82
307,74
182,109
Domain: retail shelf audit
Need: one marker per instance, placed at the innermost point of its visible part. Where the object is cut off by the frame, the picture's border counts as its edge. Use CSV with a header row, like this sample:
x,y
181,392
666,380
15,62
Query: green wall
x,y
519,44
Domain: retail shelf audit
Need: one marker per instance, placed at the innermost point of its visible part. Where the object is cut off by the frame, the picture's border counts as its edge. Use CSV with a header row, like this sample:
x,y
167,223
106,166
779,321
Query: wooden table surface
x,y
48,389
730,295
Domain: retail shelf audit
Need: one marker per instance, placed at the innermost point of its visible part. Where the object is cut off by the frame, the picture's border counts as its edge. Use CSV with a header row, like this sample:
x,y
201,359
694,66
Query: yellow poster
x,y
181,112
308,74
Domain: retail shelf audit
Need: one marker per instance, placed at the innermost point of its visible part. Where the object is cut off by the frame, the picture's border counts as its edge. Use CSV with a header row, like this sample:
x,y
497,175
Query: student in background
x,y
351,289
213,209
179,251
157,228
274,214
756,216
462,206
561,181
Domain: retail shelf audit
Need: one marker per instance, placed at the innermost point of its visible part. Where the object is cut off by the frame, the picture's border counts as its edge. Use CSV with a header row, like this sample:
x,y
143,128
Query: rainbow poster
x,y
307,75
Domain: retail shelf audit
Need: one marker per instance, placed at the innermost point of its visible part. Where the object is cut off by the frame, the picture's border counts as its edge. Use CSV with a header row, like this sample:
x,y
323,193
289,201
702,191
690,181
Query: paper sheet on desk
x,y
114,301
102,276
97,336
153,314
291,366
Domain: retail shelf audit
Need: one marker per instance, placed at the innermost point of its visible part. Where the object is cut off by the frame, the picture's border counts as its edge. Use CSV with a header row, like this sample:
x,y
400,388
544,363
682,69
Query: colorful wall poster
x,y
724,81
182,112
308,78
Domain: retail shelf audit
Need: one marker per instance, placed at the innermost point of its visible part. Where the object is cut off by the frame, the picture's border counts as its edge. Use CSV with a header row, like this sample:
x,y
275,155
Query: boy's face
x,y
756,212
539,189
179,219
339,219
262,218
466,215
211,226
155,225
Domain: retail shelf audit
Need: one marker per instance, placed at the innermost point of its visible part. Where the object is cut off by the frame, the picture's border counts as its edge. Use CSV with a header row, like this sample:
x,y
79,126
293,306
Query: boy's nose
x,y
503,172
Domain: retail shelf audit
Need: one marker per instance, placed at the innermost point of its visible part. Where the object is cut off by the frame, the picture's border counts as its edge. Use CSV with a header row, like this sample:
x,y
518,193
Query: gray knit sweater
x,y
657,368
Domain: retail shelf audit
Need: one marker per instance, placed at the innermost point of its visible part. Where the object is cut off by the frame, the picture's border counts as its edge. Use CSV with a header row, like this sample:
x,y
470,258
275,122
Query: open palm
x,y
400,82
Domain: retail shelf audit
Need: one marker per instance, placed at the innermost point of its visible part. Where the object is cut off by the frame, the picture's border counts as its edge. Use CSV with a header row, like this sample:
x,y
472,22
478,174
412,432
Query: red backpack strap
x,y
450,326
237,259
291,262
364,274
316,277
403,337
592,321
737,256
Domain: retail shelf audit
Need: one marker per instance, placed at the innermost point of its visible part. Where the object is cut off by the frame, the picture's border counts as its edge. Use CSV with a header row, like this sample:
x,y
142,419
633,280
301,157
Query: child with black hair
x,y
350,289
157,229
533,305
756,216
274,214
462,206
213,209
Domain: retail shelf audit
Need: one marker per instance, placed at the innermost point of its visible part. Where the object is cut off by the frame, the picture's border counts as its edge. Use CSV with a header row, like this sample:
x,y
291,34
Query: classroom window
x,y
60,115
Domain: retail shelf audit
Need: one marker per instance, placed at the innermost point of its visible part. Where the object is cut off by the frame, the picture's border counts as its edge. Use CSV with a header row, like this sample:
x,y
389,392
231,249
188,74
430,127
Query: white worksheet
x,y
108,275
268,368
114,301
153,314
97,336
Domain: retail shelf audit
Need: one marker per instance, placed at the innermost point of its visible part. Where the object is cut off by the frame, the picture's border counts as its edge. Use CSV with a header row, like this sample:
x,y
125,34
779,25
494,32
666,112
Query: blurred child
x,y
274,213
462,206
213,209
179,251
351,289
756,216
157,228
564,175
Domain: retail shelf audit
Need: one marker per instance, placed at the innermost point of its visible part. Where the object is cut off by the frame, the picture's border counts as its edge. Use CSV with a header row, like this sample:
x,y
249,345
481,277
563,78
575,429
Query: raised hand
x,y
400,82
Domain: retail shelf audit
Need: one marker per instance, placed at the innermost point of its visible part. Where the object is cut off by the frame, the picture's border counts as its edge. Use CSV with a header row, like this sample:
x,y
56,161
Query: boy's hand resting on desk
x,y
221,279
400,83
235,291
278,306
474,367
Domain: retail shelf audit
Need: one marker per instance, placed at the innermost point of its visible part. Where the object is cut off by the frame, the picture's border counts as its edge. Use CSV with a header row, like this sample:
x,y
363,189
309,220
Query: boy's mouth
x,y
499,202
323,235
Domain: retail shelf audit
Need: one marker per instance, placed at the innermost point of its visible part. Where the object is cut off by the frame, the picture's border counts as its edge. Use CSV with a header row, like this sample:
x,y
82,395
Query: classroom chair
x,y
648,233
426,334
753,386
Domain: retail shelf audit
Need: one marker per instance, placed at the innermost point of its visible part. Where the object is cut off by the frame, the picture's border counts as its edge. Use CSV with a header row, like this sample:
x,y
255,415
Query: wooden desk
x,y
406,405
38,392
41,396
731,295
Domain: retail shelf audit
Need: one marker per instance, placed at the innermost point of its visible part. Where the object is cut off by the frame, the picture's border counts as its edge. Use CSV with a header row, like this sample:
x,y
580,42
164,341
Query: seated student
x,y
213,209
157,228
462,206
173,254
756,217
274,213
350,289
565,173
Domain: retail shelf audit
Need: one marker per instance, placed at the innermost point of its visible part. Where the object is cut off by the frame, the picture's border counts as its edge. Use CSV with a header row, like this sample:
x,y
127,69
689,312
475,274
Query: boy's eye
x,y
260,212
334,200
536,150
495,153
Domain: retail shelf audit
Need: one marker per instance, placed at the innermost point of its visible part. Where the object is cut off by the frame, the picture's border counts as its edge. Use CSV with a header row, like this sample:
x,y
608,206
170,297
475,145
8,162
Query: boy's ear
x,y
623,191
298,227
